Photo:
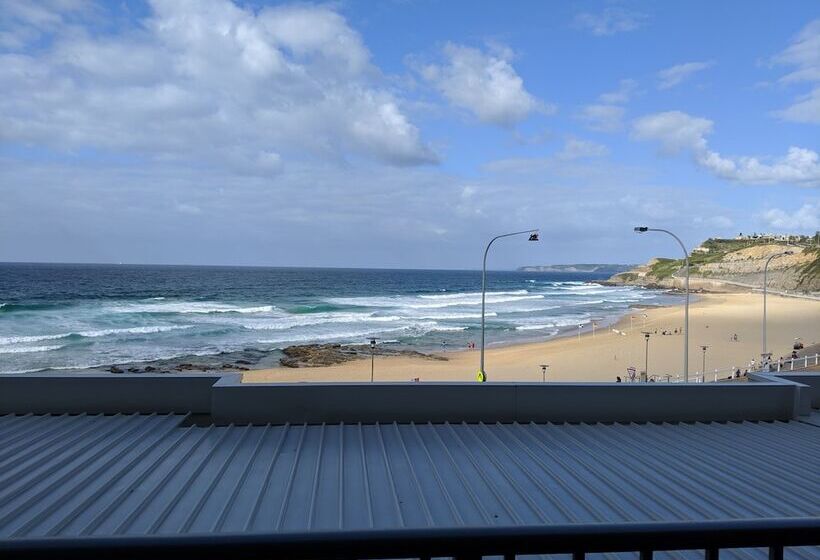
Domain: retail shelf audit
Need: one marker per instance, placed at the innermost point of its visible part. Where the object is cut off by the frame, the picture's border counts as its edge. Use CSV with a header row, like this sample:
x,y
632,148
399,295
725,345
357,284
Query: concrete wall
x,y
812,380
502,402
226,399
105,393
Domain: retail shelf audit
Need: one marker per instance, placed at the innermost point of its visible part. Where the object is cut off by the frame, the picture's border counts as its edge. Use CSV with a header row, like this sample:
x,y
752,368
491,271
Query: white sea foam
x,y
455,300
201,307
29,349
473,294
307,320
7,340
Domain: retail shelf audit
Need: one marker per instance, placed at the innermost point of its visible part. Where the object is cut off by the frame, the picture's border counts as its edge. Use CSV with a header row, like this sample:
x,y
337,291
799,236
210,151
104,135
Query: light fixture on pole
x,y
703,366
533,233
765,285
372,354
644,229
646,335
544,372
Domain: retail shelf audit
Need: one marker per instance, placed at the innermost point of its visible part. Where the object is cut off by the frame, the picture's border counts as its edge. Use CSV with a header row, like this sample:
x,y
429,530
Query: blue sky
x,y
401,134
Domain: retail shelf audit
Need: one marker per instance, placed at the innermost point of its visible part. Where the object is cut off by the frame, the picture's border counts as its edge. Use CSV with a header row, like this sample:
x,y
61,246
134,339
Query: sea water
x,y
67,316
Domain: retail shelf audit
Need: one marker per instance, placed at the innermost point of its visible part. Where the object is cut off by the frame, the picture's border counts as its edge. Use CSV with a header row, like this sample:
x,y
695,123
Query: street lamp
x,y
646,356
533,233
372,354
644,229
544,372
703,367
765,284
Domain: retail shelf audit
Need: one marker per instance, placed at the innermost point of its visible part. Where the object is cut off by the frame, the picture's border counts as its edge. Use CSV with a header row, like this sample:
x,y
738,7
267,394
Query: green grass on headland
x,y
718,249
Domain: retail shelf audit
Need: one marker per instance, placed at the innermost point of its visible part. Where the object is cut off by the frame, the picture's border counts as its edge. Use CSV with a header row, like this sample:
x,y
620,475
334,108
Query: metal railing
x,y
460,543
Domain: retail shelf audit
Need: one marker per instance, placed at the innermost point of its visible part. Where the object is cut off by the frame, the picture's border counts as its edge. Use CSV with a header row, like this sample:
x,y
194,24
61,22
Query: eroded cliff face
x,y
720,271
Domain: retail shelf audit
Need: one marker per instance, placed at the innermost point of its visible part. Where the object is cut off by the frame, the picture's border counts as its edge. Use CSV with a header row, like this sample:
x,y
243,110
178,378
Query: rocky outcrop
x,y
717,270
320,355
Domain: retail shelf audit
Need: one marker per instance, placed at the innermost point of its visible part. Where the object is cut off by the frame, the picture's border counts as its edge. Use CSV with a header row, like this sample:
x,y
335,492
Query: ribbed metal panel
x,y
144,474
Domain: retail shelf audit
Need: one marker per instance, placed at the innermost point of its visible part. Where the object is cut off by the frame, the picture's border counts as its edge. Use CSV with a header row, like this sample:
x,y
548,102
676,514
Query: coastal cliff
x,y
724,264
577,268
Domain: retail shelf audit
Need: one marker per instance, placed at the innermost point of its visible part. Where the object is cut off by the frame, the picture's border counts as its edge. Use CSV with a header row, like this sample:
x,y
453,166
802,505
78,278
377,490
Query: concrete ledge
x,y
501,402
315,403
227,400
810,379
72,393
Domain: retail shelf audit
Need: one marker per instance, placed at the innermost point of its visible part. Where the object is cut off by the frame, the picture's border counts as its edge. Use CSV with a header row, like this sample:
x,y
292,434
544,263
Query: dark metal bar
x,y
646,554
578,555
712,554
459,542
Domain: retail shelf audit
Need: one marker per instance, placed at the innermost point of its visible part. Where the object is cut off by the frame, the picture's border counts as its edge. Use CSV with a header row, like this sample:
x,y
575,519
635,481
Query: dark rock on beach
x,y
320,355
307,355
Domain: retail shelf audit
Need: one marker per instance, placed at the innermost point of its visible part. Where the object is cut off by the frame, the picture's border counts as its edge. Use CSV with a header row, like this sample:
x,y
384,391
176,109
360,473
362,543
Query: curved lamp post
x,y
765,284
533,233
644,229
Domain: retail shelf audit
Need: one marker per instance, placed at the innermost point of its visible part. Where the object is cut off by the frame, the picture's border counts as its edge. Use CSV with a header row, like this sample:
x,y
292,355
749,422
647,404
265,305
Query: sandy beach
x,y
714,319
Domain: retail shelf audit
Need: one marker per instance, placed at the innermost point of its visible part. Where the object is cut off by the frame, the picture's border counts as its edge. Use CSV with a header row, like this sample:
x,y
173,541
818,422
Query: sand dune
x,y
714,319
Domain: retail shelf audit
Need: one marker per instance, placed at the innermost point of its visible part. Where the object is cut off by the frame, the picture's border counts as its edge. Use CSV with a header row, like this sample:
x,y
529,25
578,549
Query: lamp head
x,y
641,229
372,343
534,236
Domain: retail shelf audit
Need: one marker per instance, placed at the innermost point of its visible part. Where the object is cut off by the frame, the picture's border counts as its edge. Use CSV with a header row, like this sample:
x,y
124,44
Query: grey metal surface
x,y
141,474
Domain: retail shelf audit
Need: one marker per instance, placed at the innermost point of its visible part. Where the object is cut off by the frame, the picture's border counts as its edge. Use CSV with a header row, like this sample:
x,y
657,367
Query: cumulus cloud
x,y
674,75
484,83
806,218
609,21
676,131
211,81
803,54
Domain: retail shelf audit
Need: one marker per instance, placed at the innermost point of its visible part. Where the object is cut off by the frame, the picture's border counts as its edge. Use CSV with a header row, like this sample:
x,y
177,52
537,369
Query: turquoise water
x,y
81,316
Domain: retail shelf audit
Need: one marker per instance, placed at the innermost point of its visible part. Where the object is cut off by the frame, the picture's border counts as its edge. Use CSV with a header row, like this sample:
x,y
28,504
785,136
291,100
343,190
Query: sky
x,y
404,133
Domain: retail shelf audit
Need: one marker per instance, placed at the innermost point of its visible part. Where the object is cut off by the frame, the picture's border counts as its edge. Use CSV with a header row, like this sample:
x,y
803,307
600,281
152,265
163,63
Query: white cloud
x,y
804,55
674,75
676,131
575,148
484,83
806,218
213,82
603,118
626,89
610,21
805,110
607,115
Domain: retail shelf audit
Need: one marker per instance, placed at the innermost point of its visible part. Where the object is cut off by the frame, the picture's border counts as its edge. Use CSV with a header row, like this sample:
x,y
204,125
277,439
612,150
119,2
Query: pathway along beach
x,y
714,319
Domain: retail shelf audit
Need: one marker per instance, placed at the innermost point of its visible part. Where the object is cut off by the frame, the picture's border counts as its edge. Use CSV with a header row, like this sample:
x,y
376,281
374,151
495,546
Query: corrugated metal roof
x,y
143,474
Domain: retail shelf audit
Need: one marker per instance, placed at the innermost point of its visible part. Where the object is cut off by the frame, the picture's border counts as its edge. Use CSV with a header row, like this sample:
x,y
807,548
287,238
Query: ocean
x,y
68,316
